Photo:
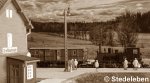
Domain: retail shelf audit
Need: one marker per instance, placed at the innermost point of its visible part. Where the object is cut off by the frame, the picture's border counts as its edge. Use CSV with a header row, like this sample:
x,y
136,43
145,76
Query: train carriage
x,y
56,56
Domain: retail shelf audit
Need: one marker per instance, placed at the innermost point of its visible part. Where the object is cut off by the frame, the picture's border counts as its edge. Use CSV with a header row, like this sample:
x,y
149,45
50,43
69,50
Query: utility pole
x,y
66,12
100,40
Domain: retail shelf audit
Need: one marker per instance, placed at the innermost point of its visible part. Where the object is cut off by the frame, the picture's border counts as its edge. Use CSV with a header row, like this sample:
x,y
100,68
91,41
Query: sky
x,y
81,10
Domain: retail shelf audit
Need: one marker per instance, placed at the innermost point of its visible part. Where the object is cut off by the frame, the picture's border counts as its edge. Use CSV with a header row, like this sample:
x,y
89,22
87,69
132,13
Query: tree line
x,y
125,26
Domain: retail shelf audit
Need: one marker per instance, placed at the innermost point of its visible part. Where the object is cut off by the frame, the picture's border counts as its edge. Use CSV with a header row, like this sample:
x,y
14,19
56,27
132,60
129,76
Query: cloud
x,y
139,4
81,10
56,1
140,8
46,1
105,12
27,5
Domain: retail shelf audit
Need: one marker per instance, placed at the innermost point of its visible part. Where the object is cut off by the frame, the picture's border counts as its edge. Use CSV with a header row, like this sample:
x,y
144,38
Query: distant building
x,y
14,27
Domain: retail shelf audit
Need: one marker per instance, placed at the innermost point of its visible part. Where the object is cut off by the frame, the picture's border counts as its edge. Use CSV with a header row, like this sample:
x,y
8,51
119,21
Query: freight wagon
x,y
55,57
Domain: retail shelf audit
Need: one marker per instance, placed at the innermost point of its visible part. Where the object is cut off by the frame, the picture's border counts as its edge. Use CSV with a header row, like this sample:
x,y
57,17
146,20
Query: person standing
x,y
75,64
125,64
96,64
135,64
70,65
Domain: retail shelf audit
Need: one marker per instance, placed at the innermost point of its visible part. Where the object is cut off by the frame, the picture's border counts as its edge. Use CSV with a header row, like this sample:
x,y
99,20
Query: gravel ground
x,y
57,75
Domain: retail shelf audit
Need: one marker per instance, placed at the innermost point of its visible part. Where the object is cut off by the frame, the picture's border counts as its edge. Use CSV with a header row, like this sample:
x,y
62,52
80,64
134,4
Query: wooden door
x,y
14,73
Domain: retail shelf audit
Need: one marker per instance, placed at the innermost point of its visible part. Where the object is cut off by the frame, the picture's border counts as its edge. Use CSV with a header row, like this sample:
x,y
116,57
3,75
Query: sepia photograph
x,y
74,41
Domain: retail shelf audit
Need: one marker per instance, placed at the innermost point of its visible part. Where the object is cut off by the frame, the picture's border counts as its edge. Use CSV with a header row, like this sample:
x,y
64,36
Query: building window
x,y
9,39
9,13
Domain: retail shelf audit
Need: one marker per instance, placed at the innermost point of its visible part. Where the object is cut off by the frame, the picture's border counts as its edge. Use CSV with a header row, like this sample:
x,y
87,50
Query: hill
x,y
42,39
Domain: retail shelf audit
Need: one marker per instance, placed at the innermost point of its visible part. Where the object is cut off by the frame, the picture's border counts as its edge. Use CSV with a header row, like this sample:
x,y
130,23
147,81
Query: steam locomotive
x,y
111,57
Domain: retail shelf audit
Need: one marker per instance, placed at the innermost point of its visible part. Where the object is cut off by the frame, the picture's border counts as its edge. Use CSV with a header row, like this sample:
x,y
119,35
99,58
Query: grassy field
x,y
41,39
99,77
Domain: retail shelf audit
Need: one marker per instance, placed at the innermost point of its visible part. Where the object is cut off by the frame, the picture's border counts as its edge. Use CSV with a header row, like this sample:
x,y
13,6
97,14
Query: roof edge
x,y
27,22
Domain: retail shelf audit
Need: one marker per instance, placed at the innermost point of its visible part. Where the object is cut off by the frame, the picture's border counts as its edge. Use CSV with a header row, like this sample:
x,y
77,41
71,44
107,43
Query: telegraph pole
x,y
66,12
100,40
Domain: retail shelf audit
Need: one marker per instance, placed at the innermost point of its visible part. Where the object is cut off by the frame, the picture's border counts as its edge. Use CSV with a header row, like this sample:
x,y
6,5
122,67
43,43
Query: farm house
x,y
14,28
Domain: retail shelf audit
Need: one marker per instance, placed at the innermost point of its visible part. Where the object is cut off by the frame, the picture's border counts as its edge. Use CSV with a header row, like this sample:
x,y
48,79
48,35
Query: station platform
x,y
57,75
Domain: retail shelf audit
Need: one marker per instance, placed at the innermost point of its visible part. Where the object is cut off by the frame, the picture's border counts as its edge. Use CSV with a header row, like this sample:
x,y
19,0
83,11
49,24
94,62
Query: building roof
x,y
2,2
24,58
54,48
19,10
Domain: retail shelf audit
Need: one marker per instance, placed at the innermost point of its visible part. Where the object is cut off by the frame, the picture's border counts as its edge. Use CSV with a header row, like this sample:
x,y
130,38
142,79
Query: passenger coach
x,y
55,57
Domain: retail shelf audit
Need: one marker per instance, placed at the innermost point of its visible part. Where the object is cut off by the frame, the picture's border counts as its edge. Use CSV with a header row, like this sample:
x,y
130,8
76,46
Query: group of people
x,y
72,64
135,63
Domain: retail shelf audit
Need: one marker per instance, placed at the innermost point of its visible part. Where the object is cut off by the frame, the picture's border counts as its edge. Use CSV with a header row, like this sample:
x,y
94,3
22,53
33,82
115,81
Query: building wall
x,y
13,25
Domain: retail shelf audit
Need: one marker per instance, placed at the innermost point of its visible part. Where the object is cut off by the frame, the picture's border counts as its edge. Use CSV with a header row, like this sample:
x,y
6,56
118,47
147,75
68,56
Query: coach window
x,y
116,51
74,52
135,51
104,50
109,50
58,52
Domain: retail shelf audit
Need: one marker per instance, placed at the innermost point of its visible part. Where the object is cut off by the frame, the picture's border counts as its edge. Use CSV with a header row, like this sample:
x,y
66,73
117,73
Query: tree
x,y
127,30
110,37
